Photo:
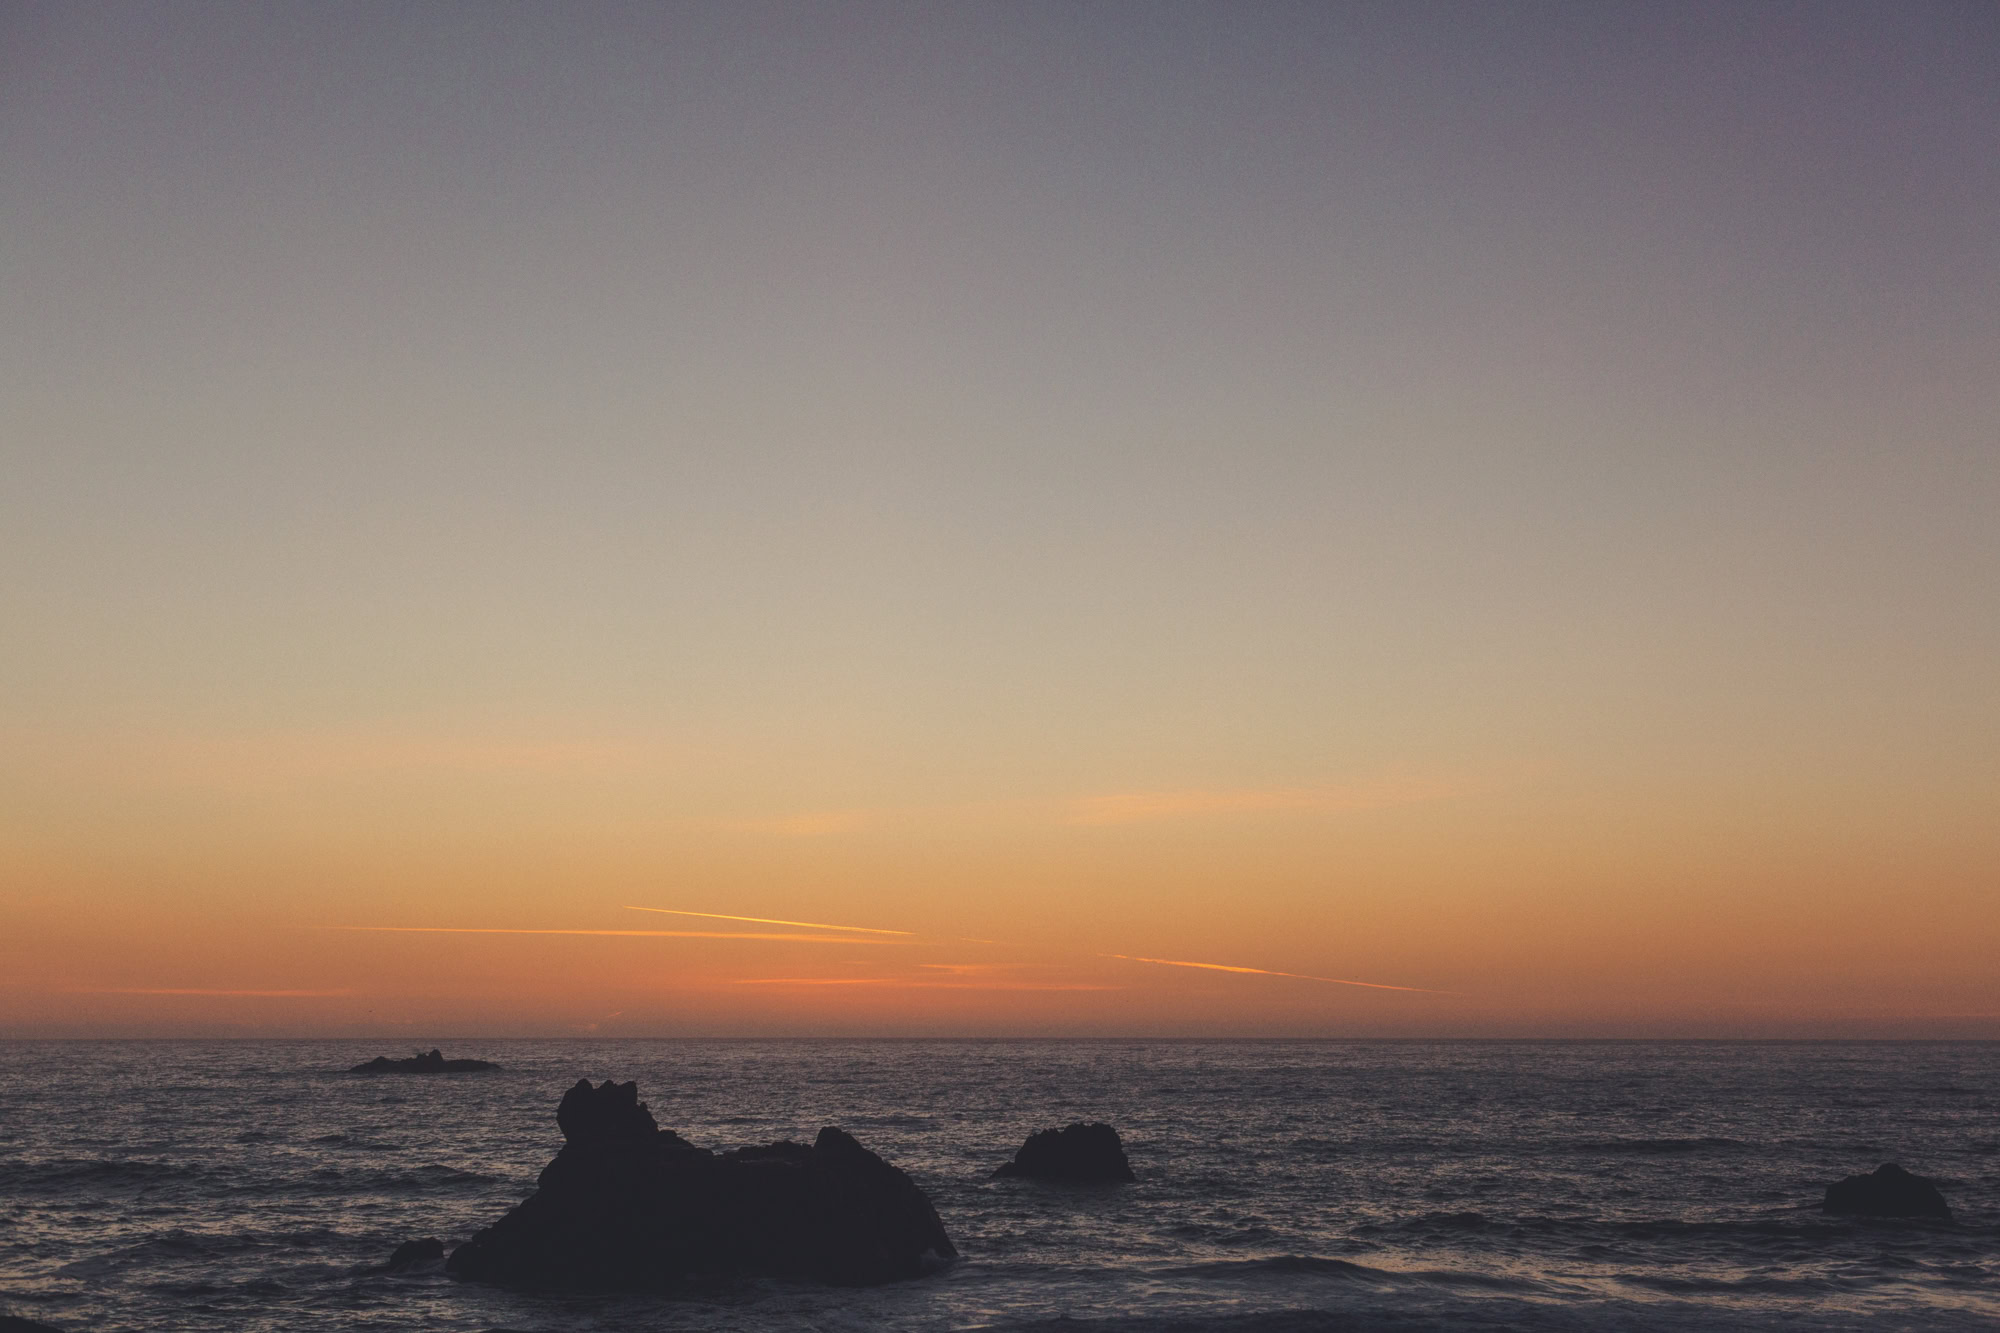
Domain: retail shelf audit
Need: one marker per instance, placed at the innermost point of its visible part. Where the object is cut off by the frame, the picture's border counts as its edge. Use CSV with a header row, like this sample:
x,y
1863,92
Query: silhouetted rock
x,y
426,1062
607,1117
415,1254
627,1205
1889,1191
15,1324
1081,1153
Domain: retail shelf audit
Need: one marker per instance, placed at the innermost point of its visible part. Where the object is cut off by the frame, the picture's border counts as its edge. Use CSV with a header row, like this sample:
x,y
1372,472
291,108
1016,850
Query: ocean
x,y
1284,1186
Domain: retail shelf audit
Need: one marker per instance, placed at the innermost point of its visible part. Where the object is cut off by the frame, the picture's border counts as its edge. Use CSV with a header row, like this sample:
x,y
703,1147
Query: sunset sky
x,y
1498,502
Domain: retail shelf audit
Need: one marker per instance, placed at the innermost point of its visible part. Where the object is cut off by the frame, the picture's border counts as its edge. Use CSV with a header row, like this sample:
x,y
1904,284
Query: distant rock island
x,y
429,1062
1081,1154
627,1205
1889,1191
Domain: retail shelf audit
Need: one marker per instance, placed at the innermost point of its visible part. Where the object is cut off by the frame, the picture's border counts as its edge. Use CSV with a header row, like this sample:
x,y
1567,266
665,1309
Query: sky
x,y
1492,501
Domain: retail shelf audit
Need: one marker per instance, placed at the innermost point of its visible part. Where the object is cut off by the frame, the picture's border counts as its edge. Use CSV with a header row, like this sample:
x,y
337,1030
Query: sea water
x,y
1283,1186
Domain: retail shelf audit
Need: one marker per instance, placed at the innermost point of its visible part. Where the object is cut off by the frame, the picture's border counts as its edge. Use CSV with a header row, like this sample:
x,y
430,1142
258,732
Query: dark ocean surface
x,y
1283,1186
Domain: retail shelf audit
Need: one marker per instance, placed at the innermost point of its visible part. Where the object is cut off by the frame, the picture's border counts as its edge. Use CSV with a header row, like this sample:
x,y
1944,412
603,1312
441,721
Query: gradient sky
x,y
1495,499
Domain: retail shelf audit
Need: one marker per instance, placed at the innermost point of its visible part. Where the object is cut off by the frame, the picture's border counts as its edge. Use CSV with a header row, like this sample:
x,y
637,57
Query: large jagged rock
x,y
627,1205
1888,1191
1079,1153
424,1062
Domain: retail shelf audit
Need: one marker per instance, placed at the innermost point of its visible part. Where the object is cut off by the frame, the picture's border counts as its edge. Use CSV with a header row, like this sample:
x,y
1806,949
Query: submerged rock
x,y
627,1205
1080,1153
416,1254
1889,1191
426,1062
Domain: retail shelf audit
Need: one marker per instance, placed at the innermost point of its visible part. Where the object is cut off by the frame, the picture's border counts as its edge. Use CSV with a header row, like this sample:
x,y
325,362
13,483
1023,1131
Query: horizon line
x,y
1030,1037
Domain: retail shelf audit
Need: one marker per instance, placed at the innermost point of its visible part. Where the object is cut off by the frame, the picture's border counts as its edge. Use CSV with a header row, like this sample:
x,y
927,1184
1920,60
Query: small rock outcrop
x,y
413,1254
1080,1153
627,1205
1888,1191
10,1323
424,1062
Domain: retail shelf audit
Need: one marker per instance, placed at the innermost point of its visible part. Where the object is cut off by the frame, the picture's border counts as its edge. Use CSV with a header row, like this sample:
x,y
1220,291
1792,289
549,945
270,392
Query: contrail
x,y
1267,972
197,990
665,934
769,921
901,983
838,939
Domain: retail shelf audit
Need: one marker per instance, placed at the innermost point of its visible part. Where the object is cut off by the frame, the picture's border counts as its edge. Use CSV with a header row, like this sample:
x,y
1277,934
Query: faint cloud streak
x,y
1134,807
768,921
652,934
202,990
918,983
1267,972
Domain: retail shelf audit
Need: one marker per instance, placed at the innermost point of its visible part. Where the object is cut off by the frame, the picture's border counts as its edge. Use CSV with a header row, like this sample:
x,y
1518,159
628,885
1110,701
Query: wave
x,y
254,1289
168,1247
1315,1143
1676,1284
72,1173
1789,1228
1263,1321
354,1143
1342,1270
1285,1265
1464,1221
1650,1147
377,1180
1806,1226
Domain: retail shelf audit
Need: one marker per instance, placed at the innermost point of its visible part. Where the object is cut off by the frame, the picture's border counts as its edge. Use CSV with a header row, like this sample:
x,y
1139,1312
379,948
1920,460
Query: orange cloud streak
x,y
654,934
1267,972
196,990
769,921
901,983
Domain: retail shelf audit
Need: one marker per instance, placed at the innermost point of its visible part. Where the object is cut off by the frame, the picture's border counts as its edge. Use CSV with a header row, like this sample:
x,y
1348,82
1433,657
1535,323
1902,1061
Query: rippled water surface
x,y
1283,1185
